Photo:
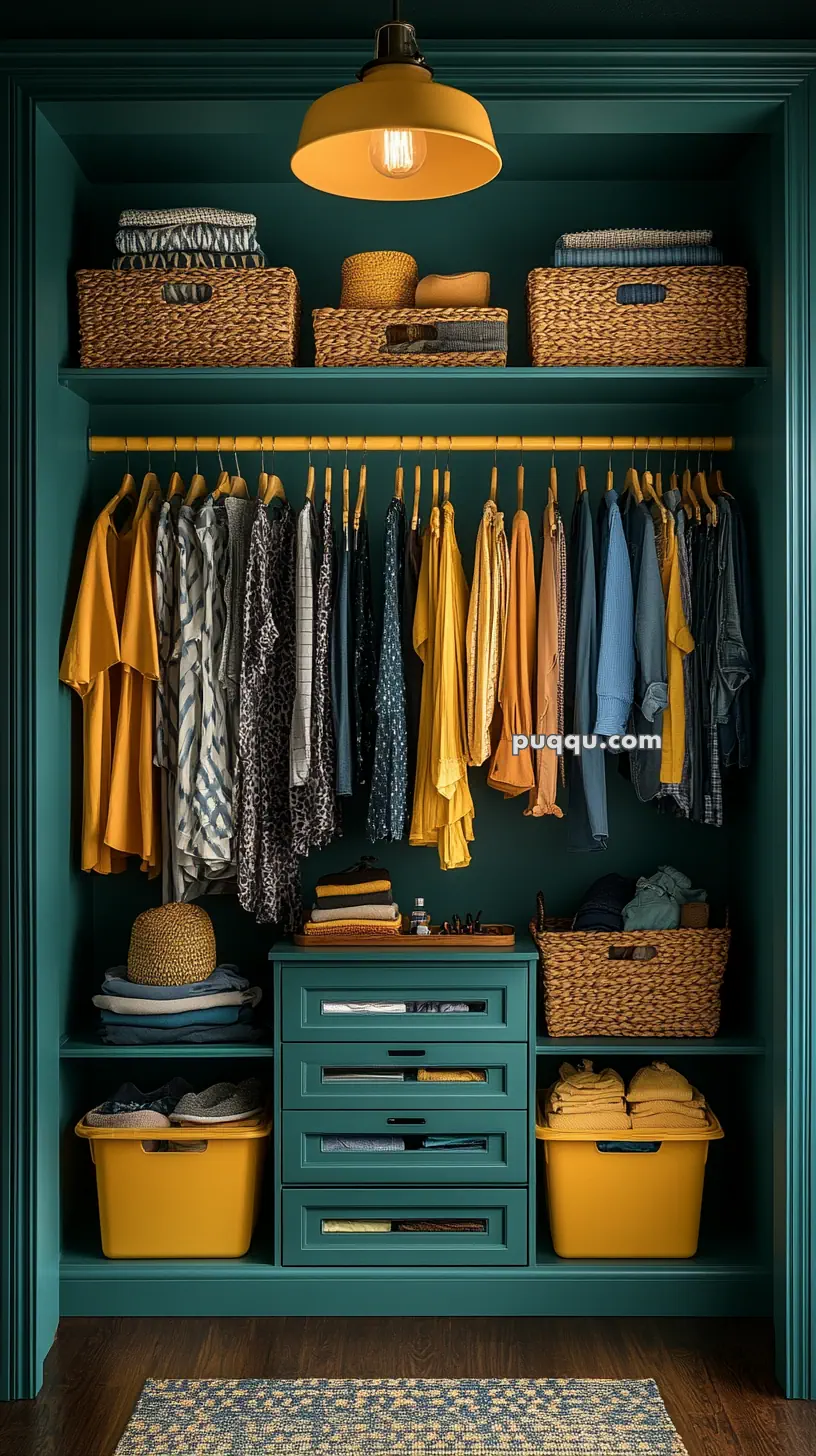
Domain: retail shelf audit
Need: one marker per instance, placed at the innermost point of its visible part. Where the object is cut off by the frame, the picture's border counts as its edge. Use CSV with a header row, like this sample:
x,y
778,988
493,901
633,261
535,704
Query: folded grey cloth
x,y
172,216
356,912
133,1006
339,1075
132,1036
387,1143
434,1007
167,262
223,978
686,257
440,1141
638,238
363,1008
188,236
456,336
223,1102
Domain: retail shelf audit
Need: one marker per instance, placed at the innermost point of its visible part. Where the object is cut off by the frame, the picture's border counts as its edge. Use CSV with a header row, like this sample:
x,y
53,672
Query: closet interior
x,y
94,158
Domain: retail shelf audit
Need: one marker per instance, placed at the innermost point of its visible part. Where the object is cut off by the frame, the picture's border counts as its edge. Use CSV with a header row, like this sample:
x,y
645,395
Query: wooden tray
x,y
494,937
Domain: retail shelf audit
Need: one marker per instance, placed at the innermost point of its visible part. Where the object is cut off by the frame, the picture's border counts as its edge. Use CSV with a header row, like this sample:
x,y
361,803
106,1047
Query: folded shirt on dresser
x,y
638,238
358,882
223,978
132,1006
637,257
146,262
184,237
197,1035
355,910
358,897
350,926
174,216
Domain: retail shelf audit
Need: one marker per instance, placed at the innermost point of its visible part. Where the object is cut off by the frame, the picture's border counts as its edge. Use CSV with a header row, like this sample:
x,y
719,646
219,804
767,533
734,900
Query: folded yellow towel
x,y
601,1104
323,929
445,1074
356,1226
648,1109
582,1083
659,1081
657,1120
371,887
589,1121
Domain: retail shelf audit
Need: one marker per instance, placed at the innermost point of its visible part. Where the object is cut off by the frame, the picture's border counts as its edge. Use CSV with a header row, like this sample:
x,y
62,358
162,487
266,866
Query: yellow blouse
x,y
679,642
545,760
486,627
513,773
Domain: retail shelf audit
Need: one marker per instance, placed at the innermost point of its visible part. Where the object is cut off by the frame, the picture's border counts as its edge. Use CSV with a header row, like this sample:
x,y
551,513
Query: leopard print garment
x,y
268,867
314,806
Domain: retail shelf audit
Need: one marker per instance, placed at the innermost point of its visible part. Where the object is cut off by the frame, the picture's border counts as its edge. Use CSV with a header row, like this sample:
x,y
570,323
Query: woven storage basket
x,y
379,280
575,317
356,337
172,945
676,993
249,317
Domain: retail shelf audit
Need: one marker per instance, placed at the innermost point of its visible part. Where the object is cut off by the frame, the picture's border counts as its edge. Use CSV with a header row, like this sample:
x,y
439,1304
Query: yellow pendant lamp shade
x,y
396,135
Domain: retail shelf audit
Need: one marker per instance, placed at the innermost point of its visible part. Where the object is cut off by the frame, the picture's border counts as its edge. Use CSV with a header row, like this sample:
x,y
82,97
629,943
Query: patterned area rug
x,y
400,1418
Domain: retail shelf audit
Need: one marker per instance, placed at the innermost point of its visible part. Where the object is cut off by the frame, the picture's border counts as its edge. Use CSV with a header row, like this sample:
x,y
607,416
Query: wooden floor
x,y
715,1376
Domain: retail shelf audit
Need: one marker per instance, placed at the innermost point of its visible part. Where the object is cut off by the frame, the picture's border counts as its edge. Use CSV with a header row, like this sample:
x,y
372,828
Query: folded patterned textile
x,y
187,237
146,262
453,336
448,1074
660,1081
130,1036
589,1121
440,1226
364,1008
355,899
638,238
223,978
387,1143
434,1007
355,910
147,217
208,1016
352,927
365,877
356,1226
434,1141
133,1006
637,257
130,1107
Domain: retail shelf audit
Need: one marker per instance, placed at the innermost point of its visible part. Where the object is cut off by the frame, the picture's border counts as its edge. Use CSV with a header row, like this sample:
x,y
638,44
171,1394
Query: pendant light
x,y
396,135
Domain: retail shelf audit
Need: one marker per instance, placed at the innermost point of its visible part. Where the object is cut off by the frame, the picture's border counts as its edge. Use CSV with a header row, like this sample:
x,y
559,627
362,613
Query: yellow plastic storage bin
x,y
197,1201
642,1203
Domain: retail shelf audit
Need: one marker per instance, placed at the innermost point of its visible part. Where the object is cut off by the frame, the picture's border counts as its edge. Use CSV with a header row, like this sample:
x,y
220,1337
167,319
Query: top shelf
x,y
460,386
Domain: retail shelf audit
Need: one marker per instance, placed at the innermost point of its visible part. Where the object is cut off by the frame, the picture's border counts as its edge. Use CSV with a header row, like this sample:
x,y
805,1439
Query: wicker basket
x,y
245,317
357,338
675,993
379,280
577,317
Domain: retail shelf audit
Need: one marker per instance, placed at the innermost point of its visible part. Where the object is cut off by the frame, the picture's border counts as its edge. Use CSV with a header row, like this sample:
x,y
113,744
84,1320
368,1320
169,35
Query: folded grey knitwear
x,y
173,216
223,978
387,1143
638,238
332,1075
187,236
167,262
455,336
363,1008
357,912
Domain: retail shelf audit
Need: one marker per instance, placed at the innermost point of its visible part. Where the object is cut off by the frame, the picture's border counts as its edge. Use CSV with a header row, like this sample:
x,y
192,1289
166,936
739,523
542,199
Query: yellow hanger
x,y
658,484
346,497
494,474
417,489
310,483
446,479
327,484
520,481
701,486
176,485
552,500
237,484
434,484
149,491
691,505
198,485
361,492
580,480
647,487
222,484
274,490
399,478
125,495
632,483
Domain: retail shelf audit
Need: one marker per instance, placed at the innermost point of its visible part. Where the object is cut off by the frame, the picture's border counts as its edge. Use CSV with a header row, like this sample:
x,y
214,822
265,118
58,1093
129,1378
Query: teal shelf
x,y
460,386
88,1048
697,1046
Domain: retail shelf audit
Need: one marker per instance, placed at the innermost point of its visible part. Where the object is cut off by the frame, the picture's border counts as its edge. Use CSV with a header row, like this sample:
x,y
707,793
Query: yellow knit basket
x,y
379,280
171,946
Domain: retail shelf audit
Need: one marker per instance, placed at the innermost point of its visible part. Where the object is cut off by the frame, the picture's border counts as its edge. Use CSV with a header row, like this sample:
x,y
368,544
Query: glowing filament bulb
x,y
398,153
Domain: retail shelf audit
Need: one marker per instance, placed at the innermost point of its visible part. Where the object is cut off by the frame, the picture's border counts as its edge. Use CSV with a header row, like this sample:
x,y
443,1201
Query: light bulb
x,y
397,153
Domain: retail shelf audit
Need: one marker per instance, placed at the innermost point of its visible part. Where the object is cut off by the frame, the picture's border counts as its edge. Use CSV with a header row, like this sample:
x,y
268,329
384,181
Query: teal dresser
x,y
359,1060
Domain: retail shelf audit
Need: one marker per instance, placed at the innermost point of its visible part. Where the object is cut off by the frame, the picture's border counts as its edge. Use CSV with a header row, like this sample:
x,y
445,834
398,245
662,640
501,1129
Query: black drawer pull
x,y
409,1052
406,1121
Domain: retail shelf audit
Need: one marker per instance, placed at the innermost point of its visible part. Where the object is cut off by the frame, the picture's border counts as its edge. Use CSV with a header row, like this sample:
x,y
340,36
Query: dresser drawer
x,y
309,1213
310,1156
385,1075
325,1001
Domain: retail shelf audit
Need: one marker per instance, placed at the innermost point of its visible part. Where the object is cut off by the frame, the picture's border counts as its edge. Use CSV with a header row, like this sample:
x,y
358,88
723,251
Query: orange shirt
x,y
545,760
513,773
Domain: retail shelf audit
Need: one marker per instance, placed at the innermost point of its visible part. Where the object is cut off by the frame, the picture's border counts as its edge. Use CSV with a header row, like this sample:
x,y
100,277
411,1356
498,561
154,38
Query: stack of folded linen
x,y
660,1097
637,248
187,237
587,1101
355,901
218,1009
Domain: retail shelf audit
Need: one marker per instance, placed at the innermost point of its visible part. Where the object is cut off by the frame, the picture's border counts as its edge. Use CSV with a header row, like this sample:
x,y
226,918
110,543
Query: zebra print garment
x,y
188,237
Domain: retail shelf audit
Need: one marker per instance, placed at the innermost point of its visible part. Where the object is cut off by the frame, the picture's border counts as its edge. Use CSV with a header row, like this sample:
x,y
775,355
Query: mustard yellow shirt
x,y
513,773
679,642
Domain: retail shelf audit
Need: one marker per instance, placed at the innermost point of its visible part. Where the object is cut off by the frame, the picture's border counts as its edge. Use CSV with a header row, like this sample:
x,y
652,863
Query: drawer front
x,y
500,1238
310,1153
384,1075
328,1002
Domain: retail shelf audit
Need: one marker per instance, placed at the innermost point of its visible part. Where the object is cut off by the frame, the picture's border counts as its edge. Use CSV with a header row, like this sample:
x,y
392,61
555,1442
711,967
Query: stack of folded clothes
x,y
218,1009
587,1101
660,1097
187,237
637,248
354,901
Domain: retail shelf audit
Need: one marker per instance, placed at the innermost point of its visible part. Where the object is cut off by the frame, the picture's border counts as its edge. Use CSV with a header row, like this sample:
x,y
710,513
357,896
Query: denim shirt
x,y
732,664
735,733
616,655
587,821
651,691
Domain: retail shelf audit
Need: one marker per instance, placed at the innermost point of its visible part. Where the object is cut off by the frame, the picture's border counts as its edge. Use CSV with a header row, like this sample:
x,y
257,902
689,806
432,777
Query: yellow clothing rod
x,y
209,444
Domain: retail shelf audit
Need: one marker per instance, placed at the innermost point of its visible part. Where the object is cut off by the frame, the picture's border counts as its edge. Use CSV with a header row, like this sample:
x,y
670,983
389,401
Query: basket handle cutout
x,y
185,293
641,293
406,1121
632,952
158,1147
409,333
409,1052
628,1147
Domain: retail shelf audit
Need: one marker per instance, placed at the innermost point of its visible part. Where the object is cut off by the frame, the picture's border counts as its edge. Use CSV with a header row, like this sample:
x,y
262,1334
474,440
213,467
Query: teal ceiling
x,y
447,19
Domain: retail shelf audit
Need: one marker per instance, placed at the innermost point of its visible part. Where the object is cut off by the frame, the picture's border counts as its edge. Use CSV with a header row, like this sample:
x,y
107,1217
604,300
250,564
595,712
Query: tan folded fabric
x,y
355,912
370,887
569,1105
649,1108
448,1074
351,926
582,1082
589,1121
356,1226
656,1121
659,1081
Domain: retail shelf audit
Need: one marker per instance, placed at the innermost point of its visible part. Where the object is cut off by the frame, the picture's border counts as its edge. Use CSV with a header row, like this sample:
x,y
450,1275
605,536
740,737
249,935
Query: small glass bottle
x,y
420,918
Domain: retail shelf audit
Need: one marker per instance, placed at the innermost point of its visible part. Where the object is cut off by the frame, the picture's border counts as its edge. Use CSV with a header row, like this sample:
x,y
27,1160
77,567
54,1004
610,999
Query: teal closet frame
x,y
727,88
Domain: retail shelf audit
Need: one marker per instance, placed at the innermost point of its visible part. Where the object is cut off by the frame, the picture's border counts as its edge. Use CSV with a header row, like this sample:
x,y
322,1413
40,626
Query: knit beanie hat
x,y
171,946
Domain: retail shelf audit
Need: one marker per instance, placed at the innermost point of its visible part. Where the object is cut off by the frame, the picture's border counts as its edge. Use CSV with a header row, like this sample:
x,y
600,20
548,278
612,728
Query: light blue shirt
x,y
616,652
